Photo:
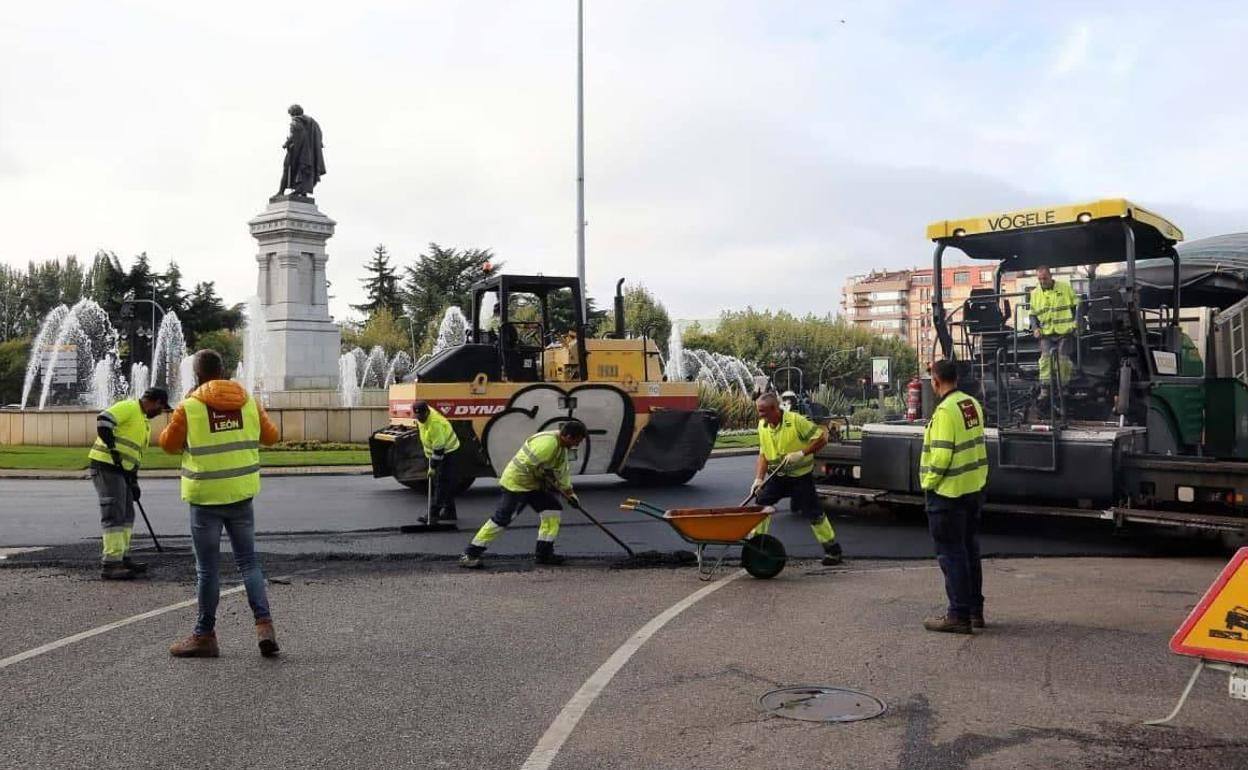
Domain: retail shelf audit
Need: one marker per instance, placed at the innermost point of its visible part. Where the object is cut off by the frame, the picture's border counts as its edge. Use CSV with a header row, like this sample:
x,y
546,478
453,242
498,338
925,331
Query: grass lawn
x,y
47,458
737,441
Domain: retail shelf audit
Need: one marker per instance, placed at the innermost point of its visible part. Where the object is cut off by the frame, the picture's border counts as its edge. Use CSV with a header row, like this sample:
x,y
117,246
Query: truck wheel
x,y
657,478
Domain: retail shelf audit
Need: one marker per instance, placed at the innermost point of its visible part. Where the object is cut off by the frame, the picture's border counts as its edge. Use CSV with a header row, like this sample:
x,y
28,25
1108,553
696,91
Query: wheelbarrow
x,y
762,556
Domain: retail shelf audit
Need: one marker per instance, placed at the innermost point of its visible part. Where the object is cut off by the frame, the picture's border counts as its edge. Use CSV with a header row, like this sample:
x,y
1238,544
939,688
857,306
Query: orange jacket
x,y
219,394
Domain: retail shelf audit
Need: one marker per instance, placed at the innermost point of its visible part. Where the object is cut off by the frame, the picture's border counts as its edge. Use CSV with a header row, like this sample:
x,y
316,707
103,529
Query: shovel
x,y
430,525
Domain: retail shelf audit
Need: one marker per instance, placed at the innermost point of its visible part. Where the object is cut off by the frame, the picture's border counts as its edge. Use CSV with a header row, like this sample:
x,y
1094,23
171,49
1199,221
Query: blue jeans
x,y
239,520
954,524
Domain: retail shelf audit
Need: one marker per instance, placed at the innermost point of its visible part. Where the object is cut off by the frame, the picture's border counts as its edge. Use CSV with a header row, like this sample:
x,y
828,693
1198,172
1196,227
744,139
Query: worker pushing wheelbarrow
x,y
762,555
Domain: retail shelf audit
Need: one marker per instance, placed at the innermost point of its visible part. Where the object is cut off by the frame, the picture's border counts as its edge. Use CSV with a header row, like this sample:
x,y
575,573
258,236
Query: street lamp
x,y
857,351
127,312
411,328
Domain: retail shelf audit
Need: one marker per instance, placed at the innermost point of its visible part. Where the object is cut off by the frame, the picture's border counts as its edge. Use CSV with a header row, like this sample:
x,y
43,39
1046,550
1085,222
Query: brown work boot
x,y
267,637
977,620
115,570
948,624
196,646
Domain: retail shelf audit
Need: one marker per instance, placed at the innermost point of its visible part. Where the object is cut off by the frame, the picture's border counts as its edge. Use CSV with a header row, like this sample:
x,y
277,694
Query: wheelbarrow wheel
x,y
763,556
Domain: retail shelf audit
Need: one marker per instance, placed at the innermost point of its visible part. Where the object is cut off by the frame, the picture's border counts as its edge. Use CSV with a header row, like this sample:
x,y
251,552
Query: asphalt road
x,y
359,515
411,664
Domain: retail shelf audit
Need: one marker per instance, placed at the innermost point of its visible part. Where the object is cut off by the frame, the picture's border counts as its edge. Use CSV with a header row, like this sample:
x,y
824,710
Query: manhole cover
x,y
822,704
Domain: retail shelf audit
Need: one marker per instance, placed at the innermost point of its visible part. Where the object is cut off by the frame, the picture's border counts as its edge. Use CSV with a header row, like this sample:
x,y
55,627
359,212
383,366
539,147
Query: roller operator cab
x,y
528,365
1140,423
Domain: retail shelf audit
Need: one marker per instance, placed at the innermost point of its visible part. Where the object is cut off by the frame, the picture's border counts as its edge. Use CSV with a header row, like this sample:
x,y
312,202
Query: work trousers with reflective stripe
x,y
116,510
954,524
510,504
803,500
1058,346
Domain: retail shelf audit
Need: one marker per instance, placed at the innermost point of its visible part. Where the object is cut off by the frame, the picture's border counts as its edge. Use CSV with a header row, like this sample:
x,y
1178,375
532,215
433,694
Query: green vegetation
x,y
75,458
825,349
737,440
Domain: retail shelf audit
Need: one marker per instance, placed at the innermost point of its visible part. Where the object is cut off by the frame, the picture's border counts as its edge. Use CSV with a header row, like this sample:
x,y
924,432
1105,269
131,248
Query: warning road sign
x,y
1217,629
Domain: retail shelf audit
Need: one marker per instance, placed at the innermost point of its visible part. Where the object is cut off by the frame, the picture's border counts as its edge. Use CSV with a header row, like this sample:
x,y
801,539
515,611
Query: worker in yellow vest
x,y
218,431
788,441
538,470
1053,306
438,439
122,432
953,471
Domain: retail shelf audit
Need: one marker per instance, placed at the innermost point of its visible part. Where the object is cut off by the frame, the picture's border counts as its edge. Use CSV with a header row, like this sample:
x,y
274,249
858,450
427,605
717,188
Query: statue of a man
x,y
305,162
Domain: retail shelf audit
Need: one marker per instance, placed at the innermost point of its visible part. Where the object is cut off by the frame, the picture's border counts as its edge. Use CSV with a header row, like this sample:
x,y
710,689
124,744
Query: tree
x,y
13,357
106,281
440,278
169,293
382,287
385,329
643,315
206,312
225,342
140,279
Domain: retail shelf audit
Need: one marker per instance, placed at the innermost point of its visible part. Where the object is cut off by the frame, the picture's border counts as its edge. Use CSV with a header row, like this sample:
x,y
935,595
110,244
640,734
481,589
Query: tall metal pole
x,y
580,153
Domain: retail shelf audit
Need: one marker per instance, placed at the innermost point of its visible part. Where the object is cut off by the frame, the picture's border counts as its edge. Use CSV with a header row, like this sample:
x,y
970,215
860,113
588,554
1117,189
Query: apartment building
x,y
879,302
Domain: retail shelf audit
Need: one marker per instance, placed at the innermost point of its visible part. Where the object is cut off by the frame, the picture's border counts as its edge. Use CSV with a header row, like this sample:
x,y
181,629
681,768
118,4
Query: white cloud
x,y
750,152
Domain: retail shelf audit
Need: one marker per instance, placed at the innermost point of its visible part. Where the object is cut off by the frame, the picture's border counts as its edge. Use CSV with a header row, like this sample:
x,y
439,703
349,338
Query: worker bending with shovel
x,y
532,478
438,439
122,433
787,443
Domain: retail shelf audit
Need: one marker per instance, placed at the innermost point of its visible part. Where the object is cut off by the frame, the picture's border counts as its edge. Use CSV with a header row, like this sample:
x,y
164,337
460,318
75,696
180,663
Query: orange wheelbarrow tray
x,y
762,556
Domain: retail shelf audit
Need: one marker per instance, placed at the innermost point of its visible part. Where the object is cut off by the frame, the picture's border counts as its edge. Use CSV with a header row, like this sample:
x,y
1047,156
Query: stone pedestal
x,y
304,341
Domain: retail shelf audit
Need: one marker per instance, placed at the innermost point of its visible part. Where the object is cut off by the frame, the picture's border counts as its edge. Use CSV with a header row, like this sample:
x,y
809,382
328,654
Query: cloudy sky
x,y
738,152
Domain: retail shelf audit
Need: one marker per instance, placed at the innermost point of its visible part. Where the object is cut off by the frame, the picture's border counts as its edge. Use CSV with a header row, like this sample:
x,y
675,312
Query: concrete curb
x,y
300,470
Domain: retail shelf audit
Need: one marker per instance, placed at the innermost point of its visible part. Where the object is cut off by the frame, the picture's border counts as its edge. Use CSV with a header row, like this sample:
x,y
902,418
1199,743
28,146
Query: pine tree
x,y
140,280
169,292
382,286
443,277
205,312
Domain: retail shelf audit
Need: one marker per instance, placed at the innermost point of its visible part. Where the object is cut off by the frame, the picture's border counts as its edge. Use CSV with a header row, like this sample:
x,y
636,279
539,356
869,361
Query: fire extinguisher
x,y
914,397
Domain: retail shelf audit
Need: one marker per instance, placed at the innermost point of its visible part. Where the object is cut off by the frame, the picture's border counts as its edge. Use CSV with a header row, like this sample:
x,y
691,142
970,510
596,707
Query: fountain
x,y
186,379
452,331
720,371
400,365
167,355
374,371
105,382
253,366
47,332
675,369
83,332
138,379
349,379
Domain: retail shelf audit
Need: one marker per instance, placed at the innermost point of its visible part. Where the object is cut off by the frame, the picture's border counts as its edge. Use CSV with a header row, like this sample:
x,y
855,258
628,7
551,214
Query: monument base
x,y
303,355
303,342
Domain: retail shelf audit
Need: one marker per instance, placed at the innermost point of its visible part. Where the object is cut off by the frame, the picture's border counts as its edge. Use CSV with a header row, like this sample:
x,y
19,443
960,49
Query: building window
x,y
961,277
946,293
985,276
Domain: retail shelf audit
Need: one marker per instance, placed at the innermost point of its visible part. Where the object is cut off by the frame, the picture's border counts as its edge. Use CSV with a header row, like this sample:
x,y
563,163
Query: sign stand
x,y
1216,631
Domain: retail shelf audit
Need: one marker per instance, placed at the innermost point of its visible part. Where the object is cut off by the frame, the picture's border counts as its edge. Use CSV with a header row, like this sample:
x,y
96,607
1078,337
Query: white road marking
x,y
7,552
553,739
59,643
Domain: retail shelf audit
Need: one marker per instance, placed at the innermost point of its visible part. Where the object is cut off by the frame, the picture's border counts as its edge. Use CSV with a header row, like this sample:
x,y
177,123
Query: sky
x,y
738,152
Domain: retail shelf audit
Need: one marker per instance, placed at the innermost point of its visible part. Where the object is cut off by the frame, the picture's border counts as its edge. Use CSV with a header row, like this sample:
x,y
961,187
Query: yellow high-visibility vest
x,y
793,433
437,435
131,432
955,456
540,457
221,461
1054,309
